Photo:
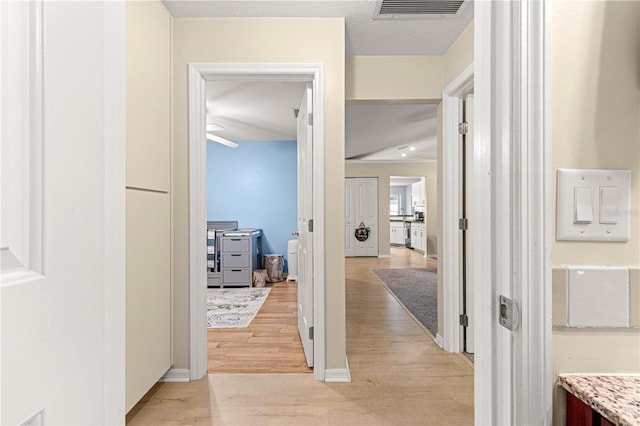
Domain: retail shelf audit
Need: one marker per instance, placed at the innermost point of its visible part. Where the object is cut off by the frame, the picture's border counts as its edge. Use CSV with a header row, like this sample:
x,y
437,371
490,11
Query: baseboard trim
x,y
384,256
338,375
175,375
439,340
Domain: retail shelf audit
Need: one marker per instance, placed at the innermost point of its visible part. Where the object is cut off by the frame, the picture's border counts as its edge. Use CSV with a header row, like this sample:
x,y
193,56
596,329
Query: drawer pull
x,y
236,255
236,239
236,270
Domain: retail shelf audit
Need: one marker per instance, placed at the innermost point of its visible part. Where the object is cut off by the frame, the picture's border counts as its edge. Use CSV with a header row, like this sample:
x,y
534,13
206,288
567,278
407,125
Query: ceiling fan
x,y
219,139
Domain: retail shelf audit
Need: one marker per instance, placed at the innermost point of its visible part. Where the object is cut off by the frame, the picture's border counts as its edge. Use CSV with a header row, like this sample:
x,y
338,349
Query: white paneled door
x,y
361,217
305,224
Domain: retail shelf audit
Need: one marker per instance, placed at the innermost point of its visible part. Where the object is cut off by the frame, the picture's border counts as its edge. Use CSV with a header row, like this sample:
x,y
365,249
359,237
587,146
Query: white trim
x,y
384,256
391,161
532,358
513,369
451,195
338,375
198,74
114,209
23,142
176,375
439,340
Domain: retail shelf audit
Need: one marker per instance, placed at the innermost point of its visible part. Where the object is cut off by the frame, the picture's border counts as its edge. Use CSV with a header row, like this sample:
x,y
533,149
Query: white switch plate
x,y
598,296
568,181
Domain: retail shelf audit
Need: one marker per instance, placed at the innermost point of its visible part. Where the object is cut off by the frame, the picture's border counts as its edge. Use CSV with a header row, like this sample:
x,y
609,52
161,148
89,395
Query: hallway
x,y
399,375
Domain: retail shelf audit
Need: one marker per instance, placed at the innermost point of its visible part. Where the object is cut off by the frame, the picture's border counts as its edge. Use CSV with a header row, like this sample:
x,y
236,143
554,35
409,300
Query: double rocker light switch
x,y
593,205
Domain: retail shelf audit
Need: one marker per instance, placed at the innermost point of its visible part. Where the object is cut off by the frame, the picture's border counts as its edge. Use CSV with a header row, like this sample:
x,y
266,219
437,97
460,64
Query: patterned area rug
x,y
234,307
417,289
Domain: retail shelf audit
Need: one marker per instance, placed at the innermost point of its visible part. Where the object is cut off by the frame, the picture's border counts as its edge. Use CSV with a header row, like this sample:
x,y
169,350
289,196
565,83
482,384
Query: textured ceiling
x,y
364,34
386,132
254,111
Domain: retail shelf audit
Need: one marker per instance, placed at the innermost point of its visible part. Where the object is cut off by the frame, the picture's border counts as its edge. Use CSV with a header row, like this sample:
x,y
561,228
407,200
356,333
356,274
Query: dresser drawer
x,y
235,260
236,276
231,244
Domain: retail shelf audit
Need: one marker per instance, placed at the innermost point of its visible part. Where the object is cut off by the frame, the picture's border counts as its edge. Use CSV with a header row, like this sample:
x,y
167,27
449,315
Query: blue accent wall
x,y
255,184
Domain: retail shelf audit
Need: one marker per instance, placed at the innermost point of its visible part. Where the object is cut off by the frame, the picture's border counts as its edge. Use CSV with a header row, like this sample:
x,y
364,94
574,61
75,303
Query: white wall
x,y
62,335
595,124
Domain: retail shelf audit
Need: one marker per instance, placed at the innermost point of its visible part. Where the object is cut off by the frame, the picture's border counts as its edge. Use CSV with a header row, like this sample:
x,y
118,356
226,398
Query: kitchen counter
x,y
617,398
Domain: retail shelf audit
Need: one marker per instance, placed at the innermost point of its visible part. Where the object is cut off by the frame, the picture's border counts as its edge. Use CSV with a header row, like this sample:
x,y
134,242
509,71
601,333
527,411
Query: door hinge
x,y
310,333
464,320
463,128
310,118
310,225
463,224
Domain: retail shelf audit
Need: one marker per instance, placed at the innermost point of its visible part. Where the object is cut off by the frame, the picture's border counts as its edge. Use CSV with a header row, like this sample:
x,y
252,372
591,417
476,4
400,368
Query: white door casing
x,y
512,152
349,222
452,208
469,259
305,218
199,74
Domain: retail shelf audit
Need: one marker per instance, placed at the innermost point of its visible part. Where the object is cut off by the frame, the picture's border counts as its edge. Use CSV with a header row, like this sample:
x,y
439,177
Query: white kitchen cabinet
x,y
417,194
397,233
419,237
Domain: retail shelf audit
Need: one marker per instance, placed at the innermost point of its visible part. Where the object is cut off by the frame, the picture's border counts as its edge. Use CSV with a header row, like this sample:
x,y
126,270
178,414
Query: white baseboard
x,y
176,375
440,340
384,256
338,375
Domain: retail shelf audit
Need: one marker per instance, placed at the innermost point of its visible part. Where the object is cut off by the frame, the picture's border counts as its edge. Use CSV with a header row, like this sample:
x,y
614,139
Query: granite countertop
x,y
615,397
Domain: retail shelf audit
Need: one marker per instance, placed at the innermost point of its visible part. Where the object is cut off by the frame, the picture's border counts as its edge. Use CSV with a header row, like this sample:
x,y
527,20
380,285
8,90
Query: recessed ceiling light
x,y
404,154
412,148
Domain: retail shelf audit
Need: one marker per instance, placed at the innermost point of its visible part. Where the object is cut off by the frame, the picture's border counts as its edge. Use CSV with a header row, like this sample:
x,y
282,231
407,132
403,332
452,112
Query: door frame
x,y
512,153
199,74
452,114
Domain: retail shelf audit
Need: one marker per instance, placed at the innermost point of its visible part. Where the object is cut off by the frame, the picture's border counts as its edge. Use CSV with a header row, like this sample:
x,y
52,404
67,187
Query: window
x,y
394,205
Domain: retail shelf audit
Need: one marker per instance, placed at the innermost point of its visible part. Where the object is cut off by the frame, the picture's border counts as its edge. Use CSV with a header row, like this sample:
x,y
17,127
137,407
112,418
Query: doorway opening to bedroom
x,y
253,139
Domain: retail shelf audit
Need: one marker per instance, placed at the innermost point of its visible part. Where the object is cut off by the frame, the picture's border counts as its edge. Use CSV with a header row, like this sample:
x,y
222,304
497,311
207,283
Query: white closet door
x,y
361,207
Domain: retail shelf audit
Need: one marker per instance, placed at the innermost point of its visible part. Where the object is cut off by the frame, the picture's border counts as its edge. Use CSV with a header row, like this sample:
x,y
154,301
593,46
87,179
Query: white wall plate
x,y
593,205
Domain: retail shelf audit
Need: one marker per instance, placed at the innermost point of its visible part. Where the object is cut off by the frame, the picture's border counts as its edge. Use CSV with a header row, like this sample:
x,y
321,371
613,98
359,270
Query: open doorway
x,y
309,303
252,211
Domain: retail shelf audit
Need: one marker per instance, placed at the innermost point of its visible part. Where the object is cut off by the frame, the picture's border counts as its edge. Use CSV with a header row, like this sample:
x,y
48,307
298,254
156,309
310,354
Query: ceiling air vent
x,y
419,8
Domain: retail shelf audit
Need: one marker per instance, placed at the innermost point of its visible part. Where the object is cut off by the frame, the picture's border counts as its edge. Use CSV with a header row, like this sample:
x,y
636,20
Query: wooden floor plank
x,y
399,375
270,344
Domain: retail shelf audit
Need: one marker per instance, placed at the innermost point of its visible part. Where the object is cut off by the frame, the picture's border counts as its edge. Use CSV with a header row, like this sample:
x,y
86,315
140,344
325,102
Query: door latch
x,y
509,313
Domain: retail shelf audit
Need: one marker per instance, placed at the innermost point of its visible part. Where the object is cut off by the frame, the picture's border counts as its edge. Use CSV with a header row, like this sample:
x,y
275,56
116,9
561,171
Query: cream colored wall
x,y
405,78
383,171
595,110
148,199
459,55
266,40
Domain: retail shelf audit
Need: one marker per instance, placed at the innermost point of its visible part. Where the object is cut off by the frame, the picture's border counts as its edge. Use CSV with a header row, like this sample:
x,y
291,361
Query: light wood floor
x,y
271,343
399,375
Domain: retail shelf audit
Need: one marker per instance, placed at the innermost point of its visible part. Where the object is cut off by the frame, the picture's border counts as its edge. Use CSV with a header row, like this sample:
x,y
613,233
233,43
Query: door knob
x,y
295,233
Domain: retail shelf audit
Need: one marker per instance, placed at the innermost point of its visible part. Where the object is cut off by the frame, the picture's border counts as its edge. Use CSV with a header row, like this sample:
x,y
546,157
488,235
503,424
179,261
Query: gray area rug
x,y
417,289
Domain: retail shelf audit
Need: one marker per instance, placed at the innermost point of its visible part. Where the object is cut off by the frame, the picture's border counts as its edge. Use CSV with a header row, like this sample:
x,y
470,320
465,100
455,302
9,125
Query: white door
x,y
305,223
62,243
361,211
468,287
